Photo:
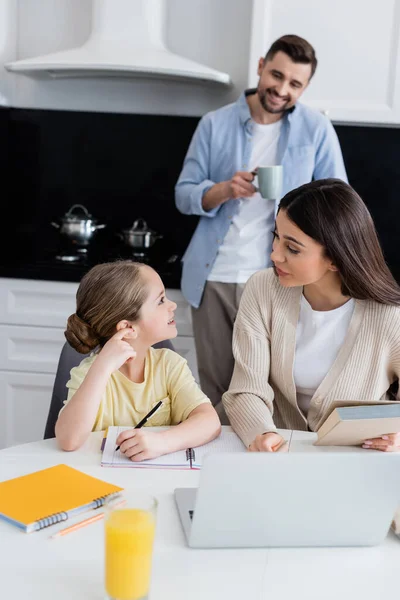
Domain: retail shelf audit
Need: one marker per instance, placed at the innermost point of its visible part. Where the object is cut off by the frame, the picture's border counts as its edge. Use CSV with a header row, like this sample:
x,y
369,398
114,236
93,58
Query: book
x,y
191,458
349,424
46,497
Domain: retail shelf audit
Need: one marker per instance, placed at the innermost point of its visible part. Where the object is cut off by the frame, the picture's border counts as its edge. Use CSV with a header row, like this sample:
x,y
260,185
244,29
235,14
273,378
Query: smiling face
x,y
298,259
281,82
156,322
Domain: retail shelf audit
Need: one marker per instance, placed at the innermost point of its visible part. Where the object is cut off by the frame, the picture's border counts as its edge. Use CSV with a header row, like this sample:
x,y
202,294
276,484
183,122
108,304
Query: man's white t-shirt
x,y
247,245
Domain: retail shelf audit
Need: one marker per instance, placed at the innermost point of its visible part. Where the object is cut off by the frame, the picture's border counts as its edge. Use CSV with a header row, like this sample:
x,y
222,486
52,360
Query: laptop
x,y
254,500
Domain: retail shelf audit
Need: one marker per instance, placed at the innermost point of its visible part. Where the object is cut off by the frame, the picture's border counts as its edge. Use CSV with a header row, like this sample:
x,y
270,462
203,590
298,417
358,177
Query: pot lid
x,y
139,227
77,213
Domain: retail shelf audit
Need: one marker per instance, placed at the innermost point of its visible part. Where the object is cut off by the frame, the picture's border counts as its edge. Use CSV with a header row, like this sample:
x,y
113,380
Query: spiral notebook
x,y
42,498
191,458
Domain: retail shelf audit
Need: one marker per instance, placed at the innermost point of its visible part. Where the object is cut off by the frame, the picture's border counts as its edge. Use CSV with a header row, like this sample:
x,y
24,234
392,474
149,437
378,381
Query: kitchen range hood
x,y
127,40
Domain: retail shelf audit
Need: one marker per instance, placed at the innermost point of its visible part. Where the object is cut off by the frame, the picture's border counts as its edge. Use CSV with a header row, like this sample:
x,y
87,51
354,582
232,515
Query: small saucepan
x,y
139,236
77,225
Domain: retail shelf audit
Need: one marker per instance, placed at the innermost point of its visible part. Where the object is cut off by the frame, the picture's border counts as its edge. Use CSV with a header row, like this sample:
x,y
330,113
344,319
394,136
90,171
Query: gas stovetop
x,y
70,265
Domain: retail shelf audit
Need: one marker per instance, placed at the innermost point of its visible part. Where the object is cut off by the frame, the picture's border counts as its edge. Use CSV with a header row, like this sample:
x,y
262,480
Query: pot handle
x,y
74,206
100,226
139,225
56,225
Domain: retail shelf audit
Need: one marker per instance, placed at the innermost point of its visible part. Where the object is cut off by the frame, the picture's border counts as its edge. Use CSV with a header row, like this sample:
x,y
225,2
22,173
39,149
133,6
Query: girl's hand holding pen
x,y
139,444
117,350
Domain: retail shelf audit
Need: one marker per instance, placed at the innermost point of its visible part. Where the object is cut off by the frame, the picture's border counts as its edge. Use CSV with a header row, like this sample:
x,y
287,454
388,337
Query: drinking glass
x,y
130,522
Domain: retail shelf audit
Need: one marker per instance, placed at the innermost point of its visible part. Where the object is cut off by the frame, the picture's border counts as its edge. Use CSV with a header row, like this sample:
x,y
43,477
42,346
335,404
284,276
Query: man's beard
x,y
263,97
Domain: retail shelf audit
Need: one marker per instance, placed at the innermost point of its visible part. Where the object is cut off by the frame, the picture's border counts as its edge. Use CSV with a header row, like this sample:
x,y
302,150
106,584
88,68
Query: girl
x,y
322,325
122,309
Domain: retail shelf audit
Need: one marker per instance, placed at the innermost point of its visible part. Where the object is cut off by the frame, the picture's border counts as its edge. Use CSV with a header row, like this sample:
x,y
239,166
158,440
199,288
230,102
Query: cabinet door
x,y
186,348
30,302
357,47
24,404
33,349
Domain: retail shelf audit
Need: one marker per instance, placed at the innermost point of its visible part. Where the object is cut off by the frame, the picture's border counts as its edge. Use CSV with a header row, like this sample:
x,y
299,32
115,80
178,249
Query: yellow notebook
x,y
45,497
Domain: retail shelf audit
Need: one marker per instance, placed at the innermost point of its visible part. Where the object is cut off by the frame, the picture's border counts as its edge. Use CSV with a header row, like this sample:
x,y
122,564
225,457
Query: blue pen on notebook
x,y
145,419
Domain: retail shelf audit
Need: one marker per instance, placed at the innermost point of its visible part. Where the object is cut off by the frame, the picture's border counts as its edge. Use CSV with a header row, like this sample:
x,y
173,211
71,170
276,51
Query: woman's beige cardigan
x,y
262,393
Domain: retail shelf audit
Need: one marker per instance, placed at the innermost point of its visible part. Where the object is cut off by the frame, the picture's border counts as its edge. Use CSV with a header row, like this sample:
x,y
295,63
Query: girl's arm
x,y
77,418
201,426
195,418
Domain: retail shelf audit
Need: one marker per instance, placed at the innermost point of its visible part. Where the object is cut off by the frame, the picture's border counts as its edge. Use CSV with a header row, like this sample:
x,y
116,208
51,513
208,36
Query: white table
x,y
35,567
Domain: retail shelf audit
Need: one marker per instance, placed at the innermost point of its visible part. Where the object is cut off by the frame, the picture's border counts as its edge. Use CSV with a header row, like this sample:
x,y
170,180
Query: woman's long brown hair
x,y
332,213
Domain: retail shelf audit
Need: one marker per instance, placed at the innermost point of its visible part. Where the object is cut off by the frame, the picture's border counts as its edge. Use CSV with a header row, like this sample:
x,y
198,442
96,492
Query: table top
x,y
36,567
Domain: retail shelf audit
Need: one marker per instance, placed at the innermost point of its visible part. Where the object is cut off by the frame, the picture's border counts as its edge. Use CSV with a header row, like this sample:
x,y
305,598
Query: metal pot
x,y
139,236
79,227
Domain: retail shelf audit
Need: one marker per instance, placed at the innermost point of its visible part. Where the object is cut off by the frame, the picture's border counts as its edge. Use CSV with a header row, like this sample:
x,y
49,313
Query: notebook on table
x,y
45,497
191,458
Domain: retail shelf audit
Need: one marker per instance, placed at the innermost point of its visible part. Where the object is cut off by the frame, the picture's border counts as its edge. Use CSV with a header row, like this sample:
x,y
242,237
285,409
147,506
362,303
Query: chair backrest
x,y
70,358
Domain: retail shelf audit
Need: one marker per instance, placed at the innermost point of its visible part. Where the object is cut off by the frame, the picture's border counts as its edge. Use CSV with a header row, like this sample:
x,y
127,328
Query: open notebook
x,y
45,497
191,458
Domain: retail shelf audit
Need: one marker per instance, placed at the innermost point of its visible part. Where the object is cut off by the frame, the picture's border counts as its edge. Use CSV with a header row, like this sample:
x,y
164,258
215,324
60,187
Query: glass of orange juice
x,y
130,522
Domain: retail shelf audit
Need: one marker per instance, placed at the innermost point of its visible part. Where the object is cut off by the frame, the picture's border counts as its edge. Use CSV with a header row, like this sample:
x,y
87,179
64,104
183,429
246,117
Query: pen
x,y
83,523
145,419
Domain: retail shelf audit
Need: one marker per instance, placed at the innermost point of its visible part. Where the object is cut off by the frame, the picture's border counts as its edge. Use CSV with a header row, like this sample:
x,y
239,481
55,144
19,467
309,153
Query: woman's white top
x,y
319,337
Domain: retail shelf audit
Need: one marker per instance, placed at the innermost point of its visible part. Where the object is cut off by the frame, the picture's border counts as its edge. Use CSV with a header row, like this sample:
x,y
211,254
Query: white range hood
x,y
127,40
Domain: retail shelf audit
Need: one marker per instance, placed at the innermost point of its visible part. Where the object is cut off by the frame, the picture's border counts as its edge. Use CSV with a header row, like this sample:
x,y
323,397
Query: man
x,y
233,239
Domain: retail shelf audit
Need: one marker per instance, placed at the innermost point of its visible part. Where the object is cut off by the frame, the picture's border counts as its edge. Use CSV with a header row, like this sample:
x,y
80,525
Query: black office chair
x,y
70,358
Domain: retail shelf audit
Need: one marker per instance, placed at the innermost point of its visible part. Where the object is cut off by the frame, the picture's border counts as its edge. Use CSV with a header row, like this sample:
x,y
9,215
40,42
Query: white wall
x,y
213,32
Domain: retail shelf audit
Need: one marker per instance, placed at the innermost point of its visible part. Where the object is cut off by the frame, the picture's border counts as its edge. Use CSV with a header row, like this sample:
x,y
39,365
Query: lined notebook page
x,y
227,441
113,458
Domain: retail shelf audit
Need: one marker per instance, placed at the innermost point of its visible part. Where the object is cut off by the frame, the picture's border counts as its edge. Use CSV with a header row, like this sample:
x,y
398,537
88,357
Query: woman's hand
x,y
139,444
267,442
117,350
386,443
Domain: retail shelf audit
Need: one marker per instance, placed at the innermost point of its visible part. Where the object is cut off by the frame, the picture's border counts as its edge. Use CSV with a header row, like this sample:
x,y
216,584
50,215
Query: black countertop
x,y
73,272
30,261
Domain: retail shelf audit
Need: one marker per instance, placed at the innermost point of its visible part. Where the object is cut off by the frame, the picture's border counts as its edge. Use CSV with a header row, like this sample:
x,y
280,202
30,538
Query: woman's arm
x,y
249,400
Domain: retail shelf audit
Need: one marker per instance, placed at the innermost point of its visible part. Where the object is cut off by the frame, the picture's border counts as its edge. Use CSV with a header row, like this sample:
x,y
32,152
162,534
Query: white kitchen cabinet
x,y
24,404
358,50
33,316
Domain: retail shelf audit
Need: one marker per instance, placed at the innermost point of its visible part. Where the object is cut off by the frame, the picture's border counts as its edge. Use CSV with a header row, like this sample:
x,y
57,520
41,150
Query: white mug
x,y
270,181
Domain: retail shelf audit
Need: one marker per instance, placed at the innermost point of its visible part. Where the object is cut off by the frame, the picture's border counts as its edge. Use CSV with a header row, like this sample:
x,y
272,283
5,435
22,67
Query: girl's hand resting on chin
x,y
386,443
268,442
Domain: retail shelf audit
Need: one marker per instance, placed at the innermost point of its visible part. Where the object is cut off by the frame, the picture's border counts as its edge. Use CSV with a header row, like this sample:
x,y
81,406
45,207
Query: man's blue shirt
x,y
221,145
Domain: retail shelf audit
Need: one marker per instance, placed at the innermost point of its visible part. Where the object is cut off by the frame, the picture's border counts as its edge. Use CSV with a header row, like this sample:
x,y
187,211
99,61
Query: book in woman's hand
x,y
351,423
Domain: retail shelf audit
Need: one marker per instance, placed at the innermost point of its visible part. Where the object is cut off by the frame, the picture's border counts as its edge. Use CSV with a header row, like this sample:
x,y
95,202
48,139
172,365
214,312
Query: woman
x,y
322,325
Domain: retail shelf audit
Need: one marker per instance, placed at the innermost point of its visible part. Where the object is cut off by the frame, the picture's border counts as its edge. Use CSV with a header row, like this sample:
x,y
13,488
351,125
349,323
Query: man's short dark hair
x,y
297,49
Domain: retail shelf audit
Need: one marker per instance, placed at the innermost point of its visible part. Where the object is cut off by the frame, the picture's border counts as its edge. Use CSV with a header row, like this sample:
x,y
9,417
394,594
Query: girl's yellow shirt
x,y
167,377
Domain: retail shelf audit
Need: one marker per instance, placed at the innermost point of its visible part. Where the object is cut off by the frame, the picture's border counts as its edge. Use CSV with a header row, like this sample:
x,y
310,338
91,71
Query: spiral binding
x,y
63,516
190,455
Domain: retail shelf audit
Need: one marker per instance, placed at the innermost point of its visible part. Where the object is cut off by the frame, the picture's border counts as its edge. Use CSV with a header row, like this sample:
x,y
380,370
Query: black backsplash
x,y
122,167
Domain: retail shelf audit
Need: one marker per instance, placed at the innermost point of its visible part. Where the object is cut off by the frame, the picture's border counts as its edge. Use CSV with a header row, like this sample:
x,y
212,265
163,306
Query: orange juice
x,y
129,534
